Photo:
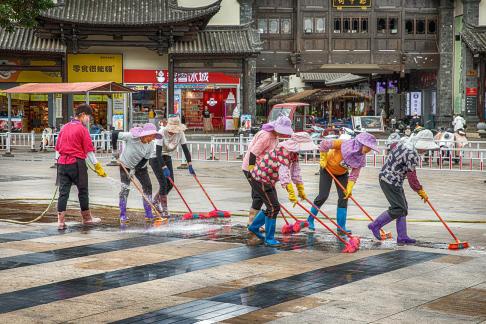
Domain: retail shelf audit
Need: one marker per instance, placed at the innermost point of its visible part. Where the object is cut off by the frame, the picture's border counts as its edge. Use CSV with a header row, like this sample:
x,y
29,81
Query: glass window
x,y
354,25
346,25
364,25
337,25
262,26
393,25
431,26
273,26
320,25
420,23
308,25
285,26
381,25
409,26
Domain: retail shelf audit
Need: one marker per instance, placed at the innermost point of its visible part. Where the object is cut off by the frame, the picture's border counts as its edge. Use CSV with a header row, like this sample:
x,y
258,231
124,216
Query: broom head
x,y
219,213
349,248
298,225
287,229
458,245
188,216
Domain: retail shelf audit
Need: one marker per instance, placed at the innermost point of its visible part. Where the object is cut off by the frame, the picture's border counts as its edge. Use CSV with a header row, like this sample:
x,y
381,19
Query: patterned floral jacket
x,y
278,165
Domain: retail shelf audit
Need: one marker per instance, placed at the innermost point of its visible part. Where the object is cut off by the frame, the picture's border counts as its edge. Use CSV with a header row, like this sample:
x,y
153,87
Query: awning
x,y
361,68
345,93
303,95
269,87
73,87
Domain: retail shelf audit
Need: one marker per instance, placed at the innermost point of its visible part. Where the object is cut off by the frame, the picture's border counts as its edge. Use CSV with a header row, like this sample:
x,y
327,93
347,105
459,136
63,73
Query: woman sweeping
x,y
138,149
280,164
264,141
344,159
400,164
172,135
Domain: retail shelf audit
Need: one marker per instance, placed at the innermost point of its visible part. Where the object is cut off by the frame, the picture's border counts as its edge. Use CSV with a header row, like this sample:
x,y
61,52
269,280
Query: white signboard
x,y
118,104
416,103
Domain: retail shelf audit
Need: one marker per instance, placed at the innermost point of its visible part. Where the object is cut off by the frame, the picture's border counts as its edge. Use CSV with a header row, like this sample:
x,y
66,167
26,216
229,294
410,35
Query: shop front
x,y
193,92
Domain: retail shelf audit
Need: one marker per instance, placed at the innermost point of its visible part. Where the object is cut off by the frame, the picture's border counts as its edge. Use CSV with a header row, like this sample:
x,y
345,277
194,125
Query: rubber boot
x,y
157,204
61,225
122,204
310,219
258,221
149,217
402,237
341,215
378,223
270,224
88,219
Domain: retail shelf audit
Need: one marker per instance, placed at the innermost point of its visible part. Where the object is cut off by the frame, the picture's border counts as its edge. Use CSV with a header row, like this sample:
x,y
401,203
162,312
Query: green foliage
x,y
21,13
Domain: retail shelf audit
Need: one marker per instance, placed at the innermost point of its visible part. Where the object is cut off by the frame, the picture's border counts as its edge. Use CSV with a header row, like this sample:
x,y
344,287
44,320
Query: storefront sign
x,y
95,67
29,76
58,105
118,104
92,98
471,91
38,97
471,95
161,77
416,103
351,3
17,96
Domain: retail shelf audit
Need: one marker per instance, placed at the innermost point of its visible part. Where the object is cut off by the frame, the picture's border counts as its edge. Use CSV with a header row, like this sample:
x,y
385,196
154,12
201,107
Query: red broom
x,y
457,245
384,235
350,247
299,224
215,212
287,228
190,214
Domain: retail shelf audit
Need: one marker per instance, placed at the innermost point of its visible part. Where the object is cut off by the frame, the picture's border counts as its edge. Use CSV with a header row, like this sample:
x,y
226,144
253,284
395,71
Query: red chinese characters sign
x,y
471,91
162,76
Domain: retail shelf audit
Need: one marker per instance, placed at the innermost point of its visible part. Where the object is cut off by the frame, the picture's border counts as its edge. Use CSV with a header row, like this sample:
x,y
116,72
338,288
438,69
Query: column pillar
x,y
445,81
170,86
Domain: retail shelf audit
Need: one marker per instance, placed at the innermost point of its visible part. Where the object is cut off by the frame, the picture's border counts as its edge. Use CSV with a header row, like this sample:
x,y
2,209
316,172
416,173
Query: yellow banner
x,y
38,97
92,98
95,67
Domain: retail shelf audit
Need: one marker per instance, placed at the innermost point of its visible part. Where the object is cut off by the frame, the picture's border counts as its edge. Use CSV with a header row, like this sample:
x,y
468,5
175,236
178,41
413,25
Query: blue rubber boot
x,y
258,222
310,219
270,224
341,220
123,210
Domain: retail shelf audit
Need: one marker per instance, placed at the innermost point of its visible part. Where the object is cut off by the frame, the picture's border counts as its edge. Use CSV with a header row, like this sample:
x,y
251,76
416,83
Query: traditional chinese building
x,y
176,60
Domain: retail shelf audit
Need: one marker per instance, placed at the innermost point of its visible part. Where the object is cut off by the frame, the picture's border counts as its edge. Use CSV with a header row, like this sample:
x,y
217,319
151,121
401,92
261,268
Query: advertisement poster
x,y
29,76
416,103
246,121
118,104
177,100
95,67
118,122
368,123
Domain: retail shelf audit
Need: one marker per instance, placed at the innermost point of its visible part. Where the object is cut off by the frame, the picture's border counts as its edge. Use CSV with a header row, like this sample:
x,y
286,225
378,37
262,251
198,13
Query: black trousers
x,y
67,175
396,198
164,184
268,194
325,183
143,177
256,201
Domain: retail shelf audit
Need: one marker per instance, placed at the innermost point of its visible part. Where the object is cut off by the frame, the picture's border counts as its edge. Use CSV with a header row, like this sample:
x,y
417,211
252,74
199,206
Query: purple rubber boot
x,y
378,223
123,210
402,237
148,211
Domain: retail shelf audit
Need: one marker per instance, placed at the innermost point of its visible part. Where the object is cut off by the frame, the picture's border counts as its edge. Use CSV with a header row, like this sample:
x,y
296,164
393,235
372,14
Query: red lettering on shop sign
x,y
161,76
471,91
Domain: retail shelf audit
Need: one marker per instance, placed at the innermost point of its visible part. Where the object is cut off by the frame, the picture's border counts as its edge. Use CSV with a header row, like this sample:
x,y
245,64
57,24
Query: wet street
x,y
202,271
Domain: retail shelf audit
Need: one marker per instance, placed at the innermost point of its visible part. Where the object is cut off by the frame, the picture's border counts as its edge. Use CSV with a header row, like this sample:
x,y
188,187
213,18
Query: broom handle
x,y
180,194
137,186
442,220
287,211
352,198
322,223
329,218
285,219
204,190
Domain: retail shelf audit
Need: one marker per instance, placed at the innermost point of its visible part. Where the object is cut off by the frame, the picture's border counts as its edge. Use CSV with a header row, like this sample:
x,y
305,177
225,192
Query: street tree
x,y
21,13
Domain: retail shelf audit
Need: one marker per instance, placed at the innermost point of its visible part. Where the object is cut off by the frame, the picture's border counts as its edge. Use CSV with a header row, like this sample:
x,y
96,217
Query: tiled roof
x,y
268,87
220,40
475,38
346,78
24,40
126,12
320,77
